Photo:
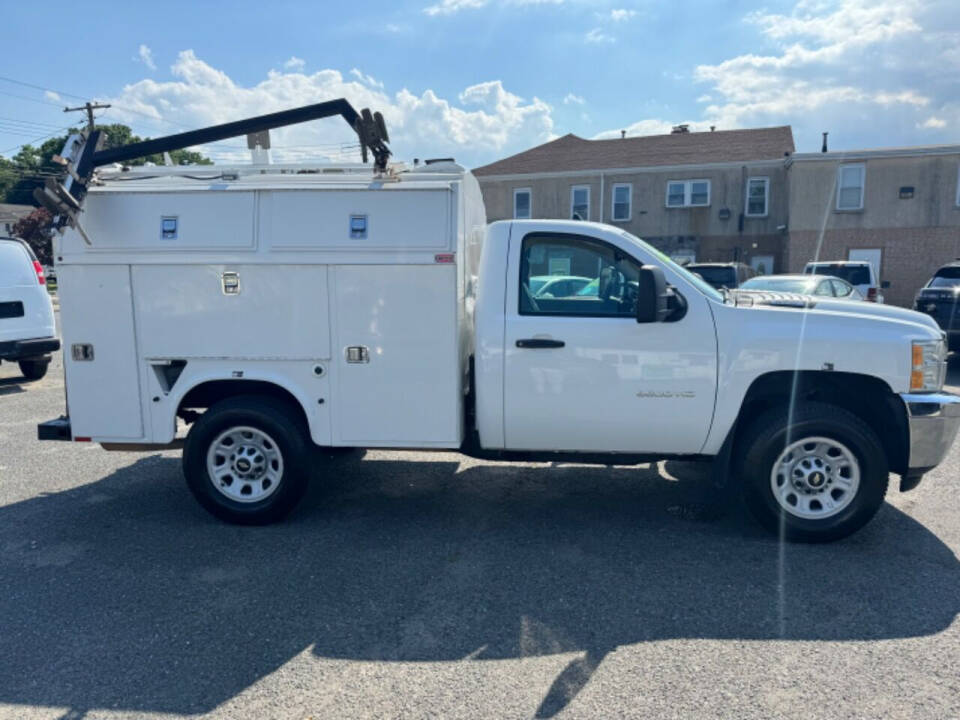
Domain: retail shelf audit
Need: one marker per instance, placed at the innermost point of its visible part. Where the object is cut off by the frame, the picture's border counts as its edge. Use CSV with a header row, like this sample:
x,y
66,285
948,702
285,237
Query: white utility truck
x,y
273,308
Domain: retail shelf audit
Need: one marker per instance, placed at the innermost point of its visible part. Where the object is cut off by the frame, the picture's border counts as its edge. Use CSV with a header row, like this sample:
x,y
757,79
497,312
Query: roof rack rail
x,y
81,154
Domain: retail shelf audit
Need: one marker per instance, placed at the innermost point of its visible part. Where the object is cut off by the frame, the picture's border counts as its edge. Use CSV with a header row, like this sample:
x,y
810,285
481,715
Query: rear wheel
x,y
246,459
817,476
34,369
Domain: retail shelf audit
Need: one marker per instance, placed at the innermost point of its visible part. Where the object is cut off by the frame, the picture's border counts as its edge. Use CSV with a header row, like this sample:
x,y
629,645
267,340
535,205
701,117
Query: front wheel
x,y
246,459
34,369
816,476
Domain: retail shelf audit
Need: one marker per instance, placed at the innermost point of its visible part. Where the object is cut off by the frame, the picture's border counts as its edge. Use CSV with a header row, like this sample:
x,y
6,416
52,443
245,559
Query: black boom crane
x,y
63,199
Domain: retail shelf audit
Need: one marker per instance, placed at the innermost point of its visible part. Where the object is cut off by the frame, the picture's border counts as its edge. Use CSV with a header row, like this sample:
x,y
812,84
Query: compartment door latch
x,y
230,282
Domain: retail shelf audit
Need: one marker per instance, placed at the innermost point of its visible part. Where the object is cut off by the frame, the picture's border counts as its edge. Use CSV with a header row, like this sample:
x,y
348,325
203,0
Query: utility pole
x,y
89,107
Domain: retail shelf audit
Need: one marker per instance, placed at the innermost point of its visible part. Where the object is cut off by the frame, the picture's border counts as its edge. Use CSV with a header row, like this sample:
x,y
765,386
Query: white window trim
x,y
516,192
766,197
573,190
687,193
863,185
613,202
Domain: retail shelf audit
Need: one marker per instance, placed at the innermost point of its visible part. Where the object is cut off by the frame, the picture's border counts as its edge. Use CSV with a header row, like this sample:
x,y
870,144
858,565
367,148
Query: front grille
x,y
11,309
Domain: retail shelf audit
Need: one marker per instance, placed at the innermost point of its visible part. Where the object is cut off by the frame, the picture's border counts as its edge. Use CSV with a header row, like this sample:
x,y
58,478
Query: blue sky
x,y
481,79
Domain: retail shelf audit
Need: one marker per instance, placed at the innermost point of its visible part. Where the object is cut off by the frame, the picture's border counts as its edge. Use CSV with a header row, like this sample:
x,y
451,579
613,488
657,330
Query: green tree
x,y
36,231
31,165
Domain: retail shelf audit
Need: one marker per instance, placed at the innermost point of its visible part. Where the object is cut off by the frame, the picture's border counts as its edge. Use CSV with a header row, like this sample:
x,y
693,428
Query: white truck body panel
x,y
309,288
104,396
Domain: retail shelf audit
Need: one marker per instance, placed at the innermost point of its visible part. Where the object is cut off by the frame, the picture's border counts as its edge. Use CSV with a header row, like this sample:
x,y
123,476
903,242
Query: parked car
x,y
557,285
940,299
27,328
378,342
859,273
822,285
723,275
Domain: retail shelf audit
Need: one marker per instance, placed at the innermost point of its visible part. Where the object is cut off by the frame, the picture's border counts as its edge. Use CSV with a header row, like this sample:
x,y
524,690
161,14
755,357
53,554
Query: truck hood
x,y
746,298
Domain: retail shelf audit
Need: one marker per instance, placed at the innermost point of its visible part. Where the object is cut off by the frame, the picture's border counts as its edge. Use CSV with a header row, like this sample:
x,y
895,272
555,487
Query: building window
x,y
522,203
580,202
688,193
758,196
622,194
850,187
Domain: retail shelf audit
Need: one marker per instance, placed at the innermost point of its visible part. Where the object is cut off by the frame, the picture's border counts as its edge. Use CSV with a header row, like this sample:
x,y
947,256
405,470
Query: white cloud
x,y
366,79
840,63
932,123
572,99
483,123
146,57
51,95
596,36
621,15
296,64
652,126
448,7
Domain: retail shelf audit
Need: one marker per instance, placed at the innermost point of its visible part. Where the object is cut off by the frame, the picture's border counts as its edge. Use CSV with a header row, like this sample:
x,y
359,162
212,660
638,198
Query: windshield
x,y
716,276
946,278
853,274
795,285
697,282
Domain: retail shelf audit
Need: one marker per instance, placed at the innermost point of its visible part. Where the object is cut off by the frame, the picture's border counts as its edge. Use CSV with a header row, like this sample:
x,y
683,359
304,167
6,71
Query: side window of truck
x,y
577,276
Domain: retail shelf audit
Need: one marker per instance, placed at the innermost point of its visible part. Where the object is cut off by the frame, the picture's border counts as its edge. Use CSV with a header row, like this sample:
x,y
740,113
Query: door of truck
x,y
581,374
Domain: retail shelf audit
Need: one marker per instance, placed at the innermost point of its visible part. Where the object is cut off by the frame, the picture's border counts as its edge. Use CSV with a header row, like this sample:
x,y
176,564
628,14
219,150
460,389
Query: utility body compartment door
x,y
581,374
103,392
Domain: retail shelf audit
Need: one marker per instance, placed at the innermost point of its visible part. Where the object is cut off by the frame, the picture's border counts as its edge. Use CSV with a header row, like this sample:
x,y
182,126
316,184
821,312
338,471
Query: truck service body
x,y
278,306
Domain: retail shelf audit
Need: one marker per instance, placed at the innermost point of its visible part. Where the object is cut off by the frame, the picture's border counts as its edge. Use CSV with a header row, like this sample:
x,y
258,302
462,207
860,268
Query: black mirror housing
x,y
652,295
885,284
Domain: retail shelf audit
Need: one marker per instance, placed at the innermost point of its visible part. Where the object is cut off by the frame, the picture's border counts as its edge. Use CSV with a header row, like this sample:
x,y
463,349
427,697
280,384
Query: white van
x,y
27,328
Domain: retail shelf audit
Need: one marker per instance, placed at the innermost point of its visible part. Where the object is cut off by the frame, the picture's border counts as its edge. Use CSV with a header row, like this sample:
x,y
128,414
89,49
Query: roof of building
x,y
572,153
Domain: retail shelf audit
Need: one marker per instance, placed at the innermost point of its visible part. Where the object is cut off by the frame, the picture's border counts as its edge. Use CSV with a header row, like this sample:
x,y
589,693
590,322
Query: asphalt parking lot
x,y
431,585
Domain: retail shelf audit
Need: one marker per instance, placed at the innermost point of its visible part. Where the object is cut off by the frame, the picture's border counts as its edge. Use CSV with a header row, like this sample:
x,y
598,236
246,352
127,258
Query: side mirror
x,y
652,296
885,284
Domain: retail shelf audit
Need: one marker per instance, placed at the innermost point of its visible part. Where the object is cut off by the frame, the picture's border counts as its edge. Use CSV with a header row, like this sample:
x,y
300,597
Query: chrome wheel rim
x,y
815,478
245,464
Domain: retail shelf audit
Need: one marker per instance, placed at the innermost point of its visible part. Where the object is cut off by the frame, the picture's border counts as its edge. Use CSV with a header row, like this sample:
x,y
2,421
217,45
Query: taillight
x,y
39,269
872,294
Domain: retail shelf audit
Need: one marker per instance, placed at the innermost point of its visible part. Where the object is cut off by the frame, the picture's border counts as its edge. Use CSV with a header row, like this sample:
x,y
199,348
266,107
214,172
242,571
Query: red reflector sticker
x,y
444,258
81,439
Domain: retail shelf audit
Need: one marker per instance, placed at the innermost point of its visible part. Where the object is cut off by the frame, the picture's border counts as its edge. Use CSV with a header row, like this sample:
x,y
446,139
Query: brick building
x,y
897,207
684,192
745,195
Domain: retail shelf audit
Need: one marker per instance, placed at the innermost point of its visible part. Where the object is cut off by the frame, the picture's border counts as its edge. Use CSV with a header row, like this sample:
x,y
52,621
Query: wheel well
x,y
208,394
869,398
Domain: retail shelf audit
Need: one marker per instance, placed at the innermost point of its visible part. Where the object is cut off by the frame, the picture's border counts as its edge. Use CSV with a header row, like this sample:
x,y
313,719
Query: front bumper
x,y
20,349
934,420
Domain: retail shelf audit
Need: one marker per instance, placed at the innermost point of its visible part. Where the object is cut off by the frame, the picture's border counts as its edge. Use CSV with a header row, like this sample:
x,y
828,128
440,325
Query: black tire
x,y
284,425
770,434
34,369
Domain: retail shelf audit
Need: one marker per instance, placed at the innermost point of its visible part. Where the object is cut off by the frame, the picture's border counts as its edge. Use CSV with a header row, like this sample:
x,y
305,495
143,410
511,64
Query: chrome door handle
x,y
539,343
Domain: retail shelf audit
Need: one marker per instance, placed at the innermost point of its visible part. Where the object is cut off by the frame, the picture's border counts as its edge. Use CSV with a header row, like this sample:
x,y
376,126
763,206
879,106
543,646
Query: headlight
x,y
929,365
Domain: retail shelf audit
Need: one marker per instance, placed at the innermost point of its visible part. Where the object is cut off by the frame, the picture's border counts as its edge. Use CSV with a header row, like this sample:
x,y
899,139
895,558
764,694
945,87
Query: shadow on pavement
x,y
124,594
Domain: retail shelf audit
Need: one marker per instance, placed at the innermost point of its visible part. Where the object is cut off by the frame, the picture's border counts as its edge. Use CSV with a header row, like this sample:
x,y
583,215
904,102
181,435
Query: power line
x,y
40,87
